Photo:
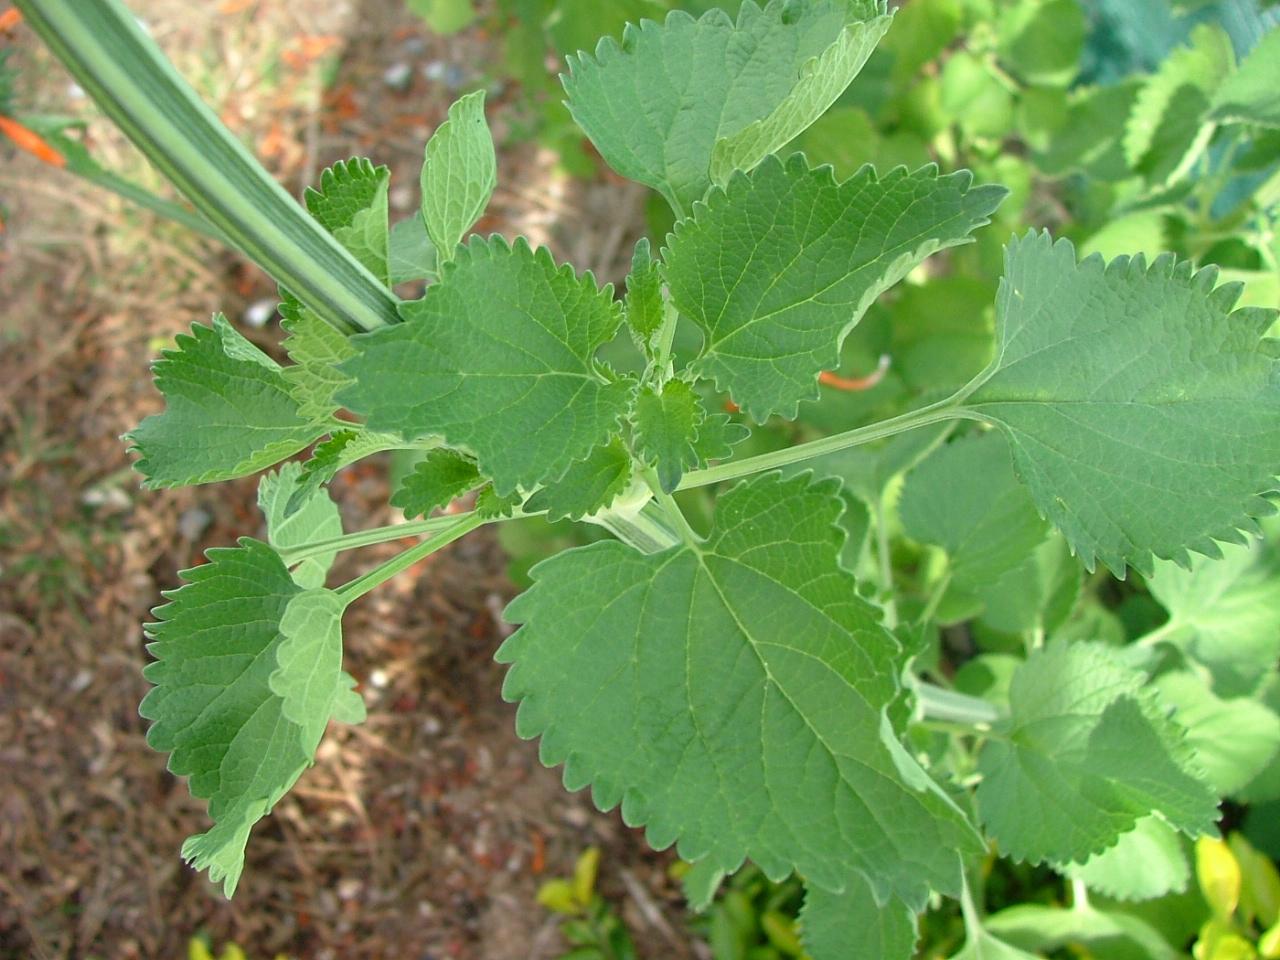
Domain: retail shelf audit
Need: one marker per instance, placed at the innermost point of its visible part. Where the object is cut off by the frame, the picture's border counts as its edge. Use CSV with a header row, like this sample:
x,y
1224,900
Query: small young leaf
x,y
1143,414
498,359
308,675
588,485
341,449
459,174
644,296
410,254
443,476
1145,863
1249,95
315,517
351,203
667,423
1086,752
831,924
316,348
675,101
733,697
214,704
966,499
491,505
781,265
228,412
1225,613
717,435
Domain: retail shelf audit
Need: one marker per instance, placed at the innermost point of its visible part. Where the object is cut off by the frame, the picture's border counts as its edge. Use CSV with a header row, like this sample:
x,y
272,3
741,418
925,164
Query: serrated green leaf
x,y
1249,95
1145,863
410,252
1234,739
497,359
459,174
213,706
316,348
700,884
644,296
1142,412
779,267
659,105
351,203
1038,594
341,449
667,423
965,498
1167,127
1089,136
491,505
742,714
588,485
315,517
836,926
718,434
228,412
1225,613
441,477
1087,751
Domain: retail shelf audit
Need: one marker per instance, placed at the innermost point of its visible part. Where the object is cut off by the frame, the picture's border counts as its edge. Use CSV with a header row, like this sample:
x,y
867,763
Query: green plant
x,y
764,681
591,927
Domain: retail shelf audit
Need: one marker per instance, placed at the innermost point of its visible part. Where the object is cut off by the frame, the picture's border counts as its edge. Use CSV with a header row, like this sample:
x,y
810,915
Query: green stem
x,y
666,337
948,706
367,538
935,598
948,409
403,561
672,510
644,530
102,45
885,559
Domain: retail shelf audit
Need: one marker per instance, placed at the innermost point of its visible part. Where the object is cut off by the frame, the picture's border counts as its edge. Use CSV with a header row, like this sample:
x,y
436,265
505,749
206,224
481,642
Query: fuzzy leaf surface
x,y
498,359
667,423
782,264
677,103
410,253
835,926
351,203
1225,613
316,348
442,476
340,449
228,412
588,485
1086,752
734,698
966,499
314,517
717,435
1249,94
644,296
1142,412
459,174
214,705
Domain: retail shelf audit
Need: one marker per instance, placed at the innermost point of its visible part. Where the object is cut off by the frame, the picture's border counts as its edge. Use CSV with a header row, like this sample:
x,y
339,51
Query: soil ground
x,y
424,833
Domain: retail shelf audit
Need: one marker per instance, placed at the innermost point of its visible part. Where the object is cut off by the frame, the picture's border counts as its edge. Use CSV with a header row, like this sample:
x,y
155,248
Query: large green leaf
x,y
837,926
228,412
351,203
966,499
497,358
459,174
684,103
1249,95
1086,752
733,695
244,685
1225,613
1143,414
781,265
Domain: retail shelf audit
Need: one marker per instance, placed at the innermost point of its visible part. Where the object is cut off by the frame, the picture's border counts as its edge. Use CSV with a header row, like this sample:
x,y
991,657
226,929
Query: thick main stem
x,y
102,45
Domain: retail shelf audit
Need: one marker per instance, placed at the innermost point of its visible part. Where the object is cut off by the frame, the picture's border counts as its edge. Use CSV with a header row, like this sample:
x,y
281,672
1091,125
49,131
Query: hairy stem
x,y
403,561
367,538
119,66
646,530
948,706
948,409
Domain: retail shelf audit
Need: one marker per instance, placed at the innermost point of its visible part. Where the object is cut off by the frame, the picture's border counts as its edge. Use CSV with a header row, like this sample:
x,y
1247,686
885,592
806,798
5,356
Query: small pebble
x,y
194,522
259,312
398,76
